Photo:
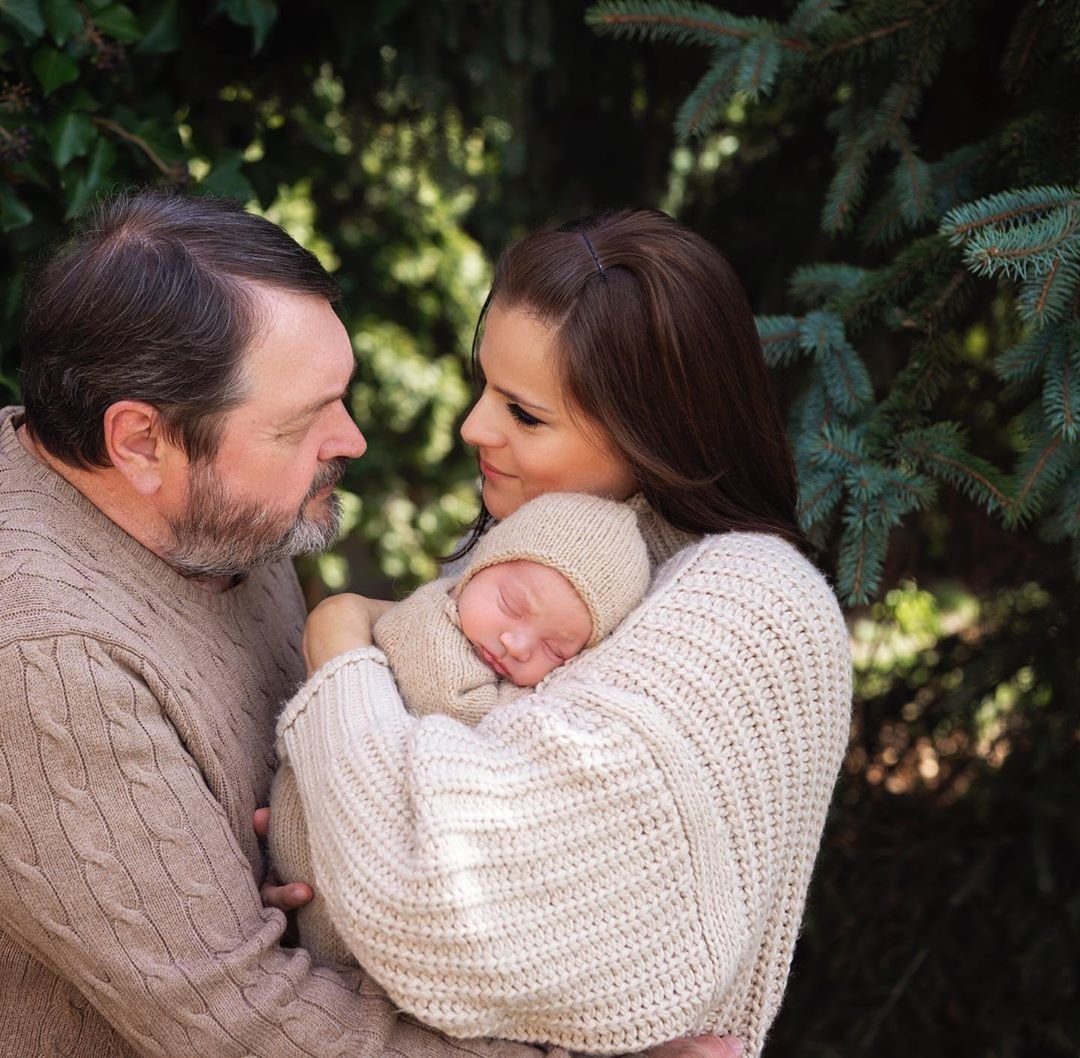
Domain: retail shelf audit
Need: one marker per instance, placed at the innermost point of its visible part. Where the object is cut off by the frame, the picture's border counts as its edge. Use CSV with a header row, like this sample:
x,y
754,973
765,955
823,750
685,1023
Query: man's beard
x,y
220,536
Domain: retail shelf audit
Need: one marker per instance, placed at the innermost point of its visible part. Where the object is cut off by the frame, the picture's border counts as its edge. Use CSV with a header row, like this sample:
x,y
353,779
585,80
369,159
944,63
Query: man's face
x,y
268,493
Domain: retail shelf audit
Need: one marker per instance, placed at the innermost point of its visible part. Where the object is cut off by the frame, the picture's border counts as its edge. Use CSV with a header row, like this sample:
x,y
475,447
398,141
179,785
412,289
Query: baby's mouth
x,y
492,662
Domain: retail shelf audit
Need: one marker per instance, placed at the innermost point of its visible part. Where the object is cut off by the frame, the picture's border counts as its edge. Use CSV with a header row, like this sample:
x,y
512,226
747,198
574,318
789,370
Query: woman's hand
x,y
699,1047
339,624
287,897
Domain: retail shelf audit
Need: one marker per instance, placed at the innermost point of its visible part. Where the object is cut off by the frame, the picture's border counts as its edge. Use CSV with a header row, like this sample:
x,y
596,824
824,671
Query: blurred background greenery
x,y
826,148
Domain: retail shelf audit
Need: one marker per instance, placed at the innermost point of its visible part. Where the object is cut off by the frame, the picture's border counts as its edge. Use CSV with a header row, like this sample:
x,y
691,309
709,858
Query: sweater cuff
x,y
296,706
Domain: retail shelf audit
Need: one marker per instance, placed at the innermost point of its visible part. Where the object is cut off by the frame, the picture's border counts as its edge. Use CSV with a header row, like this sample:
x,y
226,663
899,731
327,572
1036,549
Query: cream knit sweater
x,y
616,859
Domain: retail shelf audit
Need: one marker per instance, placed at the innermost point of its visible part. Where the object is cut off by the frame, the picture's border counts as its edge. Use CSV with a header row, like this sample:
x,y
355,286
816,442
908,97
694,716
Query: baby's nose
x,y
517,644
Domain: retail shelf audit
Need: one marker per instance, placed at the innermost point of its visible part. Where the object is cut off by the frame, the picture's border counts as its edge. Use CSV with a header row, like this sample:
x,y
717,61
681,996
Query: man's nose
x,y
347,440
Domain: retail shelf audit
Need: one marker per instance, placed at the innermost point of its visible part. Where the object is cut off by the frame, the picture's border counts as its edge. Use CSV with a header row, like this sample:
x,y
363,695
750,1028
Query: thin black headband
x,y
599,266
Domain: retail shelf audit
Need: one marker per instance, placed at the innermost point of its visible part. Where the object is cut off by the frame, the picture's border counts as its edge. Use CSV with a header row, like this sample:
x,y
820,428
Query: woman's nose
x,y
477,429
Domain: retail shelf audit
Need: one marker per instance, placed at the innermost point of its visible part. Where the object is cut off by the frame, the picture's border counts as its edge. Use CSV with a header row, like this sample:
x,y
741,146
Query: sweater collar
x,y
662,539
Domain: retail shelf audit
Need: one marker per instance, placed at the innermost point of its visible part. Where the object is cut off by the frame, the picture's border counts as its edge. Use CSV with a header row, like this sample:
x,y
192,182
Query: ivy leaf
x,y
70,135
160,27
259,14
13,211
53,68
226,179
119,22
26,14
63,19
95,179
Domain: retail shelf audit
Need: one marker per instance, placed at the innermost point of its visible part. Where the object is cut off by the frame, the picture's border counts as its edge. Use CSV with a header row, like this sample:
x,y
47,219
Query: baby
x,y
551,580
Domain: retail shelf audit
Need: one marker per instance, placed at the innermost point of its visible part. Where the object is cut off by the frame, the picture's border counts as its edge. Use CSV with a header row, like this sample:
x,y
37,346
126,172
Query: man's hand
x,y
339,624
291,895
699,1047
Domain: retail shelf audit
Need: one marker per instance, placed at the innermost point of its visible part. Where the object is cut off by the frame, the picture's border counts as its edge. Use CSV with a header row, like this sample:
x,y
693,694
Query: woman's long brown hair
x,y
656,343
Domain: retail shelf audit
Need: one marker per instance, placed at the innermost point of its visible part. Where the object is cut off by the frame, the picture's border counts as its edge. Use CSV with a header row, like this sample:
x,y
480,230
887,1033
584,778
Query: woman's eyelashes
x,y
522,416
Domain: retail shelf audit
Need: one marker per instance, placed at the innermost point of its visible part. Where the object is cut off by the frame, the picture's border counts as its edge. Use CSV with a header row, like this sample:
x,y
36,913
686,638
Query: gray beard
x,y
219,536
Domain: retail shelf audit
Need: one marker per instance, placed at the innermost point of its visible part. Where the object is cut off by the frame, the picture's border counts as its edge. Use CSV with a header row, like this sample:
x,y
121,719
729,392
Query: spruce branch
x,y
1039,471
816,284
911,181
779,339
1065,520
1022,43
839,448
703,107
1026,249
758,65
819,494
1049,296
1004,210
855,145
846,378
1061,392
942,450
679,23
1029,356
809,15
863,546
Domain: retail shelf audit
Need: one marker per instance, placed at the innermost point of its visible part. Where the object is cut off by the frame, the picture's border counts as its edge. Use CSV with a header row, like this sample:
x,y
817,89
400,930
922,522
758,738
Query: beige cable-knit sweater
x,y
618,858
136,722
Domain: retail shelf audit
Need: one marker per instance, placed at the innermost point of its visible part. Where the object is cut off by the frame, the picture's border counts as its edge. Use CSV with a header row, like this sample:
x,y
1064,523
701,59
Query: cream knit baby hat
x,y
593,542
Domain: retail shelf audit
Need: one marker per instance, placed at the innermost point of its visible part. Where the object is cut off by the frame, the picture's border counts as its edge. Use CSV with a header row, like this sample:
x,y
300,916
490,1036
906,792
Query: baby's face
x,y
523,620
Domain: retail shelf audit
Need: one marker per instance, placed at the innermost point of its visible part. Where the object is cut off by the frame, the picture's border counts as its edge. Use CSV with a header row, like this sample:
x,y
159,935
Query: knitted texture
x,y
435,666
137,714
593,542
617,858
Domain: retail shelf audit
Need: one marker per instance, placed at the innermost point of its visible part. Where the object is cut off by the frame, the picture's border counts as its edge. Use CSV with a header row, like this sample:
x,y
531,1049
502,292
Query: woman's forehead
x,y
518,353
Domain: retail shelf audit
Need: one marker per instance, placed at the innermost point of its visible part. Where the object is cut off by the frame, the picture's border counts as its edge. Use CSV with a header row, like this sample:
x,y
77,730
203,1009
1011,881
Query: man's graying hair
x,y
152,299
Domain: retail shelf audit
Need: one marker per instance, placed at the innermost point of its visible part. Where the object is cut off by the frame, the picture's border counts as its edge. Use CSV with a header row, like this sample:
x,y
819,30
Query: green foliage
x,y
881,61
401,144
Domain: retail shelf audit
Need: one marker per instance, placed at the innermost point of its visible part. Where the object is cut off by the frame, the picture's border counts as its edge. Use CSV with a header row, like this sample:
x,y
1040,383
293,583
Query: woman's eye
x,y
522,416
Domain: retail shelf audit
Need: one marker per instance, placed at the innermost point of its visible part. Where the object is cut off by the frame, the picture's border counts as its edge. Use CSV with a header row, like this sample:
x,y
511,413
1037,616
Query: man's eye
x,y
522,416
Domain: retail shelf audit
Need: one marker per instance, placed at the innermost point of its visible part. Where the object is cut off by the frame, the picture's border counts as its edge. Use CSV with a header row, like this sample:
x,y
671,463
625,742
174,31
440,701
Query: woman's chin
x,y
499,505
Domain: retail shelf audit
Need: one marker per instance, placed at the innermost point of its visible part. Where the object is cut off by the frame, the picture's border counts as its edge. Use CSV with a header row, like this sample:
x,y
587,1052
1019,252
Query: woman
x,y
622,856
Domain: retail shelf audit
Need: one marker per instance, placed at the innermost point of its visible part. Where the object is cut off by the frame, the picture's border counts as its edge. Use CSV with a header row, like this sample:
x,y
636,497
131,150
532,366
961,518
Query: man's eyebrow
x,y
318,405
512,396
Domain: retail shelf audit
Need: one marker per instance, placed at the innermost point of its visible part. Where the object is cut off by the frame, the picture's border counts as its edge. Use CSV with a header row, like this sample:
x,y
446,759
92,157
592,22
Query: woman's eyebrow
x,y
518,399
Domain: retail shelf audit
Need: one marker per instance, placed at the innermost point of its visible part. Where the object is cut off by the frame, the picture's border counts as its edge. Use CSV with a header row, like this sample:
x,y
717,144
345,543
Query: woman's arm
x,y
603,864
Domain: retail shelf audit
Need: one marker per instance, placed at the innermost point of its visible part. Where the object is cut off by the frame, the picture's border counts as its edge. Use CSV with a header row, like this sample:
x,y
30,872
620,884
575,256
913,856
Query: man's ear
x,y
136,444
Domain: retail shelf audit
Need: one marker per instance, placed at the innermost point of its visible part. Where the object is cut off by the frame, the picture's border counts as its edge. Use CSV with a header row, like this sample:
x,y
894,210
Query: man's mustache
x,y
329,475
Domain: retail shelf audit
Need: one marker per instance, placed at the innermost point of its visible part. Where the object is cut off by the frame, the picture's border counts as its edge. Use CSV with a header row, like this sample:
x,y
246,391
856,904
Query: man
x,y
183,432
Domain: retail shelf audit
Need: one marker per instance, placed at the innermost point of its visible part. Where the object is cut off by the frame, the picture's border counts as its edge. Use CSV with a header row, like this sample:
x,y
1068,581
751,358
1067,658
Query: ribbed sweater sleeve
x,y
119,872
617,859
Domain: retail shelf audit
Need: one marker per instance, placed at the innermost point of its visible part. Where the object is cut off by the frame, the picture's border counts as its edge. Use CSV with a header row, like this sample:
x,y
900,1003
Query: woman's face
x,y
527,440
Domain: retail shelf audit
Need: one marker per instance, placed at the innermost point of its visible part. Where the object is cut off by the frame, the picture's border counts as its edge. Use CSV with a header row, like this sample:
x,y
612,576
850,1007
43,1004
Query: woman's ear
x,y
136,444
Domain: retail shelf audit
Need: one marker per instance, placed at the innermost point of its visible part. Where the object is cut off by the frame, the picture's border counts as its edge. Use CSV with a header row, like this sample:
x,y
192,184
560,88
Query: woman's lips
x,y
492,662
491,472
